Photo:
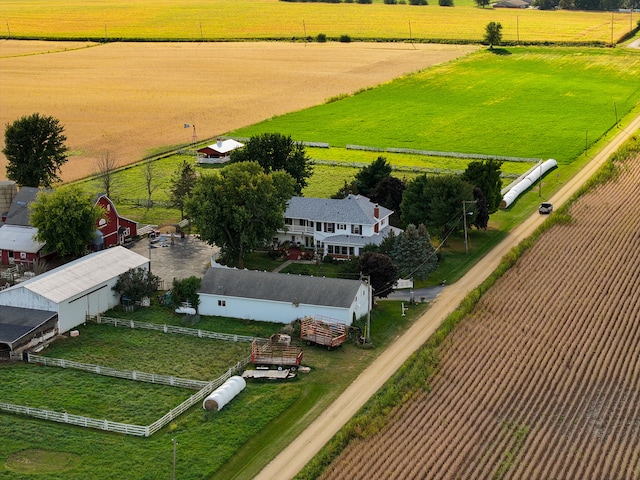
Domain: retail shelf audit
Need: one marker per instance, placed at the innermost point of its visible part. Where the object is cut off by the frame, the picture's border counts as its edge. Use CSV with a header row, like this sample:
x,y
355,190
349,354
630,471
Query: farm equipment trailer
x,y
323,331
277,351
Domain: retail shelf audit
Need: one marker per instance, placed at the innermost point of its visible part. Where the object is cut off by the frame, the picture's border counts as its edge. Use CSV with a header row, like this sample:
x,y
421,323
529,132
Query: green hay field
x,y
522,102
273,19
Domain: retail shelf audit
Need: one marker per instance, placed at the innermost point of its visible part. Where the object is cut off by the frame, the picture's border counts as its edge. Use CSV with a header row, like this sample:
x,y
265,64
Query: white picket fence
x,y
205,388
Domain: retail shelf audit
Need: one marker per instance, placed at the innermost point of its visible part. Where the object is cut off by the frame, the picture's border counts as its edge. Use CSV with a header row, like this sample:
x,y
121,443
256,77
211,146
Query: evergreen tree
x,y
413,253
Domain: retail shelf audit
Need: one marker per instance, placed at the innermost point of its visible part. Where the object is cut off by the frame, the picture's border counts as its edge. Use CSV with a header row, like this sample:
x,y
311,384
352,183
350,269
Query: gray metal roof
x,y
280,287
76,277
18,238
16,322
19,211
354,209
357,240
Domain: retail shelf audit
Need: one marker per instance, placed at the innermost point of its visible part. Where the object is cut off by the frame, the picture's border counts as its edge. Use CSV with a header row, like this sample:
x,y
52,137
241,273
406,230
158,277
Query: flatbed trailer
x,y
270,353
323,331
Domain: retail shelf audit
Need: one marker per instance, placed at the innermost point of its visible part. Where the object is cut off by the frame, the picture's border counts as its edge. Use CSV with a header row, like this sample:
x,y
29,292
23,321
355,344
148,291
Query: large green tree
x,y
274,151
381,271
240,207
493,34
66,220
414,254
35,149
137,283
370,176
486,176
182,183
436,201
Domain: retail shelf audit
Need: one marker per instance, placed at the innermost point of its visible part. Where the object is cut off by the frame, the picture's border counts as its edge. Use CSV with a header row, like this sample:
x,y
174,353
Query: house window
x,y
345,250
351,252
318,226
23,255
356,229
108,207
288,221
303,223
330,227
329,248
222,303
342,226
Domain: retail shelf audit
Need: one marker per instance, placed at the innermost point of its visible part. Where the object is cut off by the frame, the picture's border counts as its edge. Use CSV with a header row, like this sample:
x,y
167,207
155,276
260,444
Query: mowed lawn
x,y
523,102
274,19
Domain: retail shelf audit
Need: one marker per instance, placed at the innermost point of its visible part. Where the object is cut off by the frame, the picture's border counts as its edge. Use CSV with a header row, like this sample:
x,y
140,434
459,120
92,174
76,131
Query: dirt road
x,y
298,453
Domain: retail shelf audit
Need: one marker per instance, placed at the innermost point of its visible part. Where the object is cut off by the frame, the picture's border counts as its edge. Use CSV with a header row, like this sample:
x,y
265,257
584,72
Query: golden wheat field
x,y
542,381
130,98
269,19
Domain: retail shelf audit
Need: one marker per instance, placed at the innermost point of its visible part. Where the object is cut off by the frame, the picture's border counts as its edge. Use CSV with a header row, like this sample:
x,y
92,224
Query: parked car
x,y
545,208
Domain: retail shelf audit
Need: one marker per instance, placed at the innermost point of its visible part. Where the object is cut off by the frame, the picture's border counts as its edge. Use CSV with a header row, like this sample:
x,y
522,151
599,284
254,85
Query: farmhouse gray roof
x,y
354,209
279,287
361,239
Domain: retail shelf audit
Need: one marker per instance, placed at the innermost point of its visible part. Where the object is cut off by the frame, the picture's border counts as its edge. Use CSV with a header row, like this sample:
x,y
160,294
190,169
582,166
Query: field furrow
x,y
543,380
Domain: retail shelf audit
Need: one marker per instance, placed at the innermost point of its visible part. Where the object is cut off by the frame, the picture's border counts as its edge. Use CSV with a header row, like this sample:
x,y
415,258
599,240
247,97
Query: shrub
x,y
321,38
365,1
418,2
327,259
345,38
445,3
390,2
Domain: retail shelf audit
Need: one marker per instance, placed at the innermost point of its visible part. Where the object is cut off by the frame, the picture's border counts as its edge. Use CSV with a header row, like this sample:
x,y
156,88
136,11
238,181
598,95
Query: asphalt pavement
x,y
178,258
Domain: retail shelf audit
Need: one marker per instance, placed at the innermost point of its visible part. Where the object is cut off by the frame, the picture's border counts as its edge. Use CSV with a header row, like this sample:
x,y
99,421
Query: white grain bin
x,y
8,190
224,394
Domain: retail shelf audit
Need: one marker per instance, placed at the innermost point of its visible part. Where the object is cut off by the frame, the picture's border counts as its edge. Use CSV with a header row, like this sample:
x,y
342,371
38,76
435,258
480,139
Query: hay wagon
x,y
277,351
323,331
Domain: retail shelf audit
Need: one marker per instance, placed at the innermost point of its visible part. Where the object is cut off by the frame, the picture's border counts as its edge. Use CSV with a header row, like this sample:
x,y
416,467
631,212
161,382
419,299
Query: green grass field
x,y
273,19
207,441
522,102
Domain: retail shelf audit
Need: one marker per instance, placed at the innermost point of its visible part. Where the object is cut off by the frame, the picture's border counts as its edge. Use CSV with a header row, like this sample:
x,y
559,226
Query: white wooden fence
x,y
112,372
161,327
205,388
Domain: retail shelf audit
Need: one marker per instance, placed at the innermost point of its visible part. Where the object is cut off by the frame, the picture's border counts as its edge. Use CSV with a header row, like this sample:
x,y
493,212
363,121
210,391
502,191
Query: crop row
x,y
542,380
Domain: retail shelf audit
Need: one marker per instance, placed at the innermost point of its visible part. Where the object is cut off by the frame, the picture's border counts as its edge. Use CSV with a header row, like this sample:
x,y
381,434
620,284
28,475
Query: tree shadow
x,y
500,51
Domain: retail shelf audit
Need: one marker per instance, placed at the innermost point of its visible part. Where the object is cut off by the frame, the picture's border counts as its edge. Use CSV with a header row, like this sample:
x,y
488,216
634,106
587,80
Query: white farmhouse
x,y
281,298
336,227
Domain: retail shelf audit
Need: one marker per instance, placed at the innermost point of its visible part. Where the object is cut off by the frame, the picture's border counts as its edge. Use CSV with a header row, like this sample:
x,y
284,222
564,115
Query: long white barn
x,y
281,298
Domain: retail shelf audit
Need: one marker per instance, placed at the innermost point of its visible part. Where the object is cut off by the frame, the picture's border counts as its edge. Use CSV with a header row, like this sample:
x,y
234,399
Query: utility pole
x,y
173,470
464,219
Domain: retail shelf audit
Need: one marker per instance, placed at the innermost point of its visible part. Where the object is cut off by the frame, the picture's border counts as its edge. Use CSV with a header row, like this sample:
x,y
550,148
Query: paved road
x,y
293,458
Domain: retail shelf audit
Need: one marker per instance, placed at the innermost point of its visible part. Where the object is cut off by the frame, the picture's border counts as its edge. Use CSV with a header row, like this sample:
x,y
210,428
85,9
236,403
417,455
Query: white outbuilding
x,y
281,298
77,289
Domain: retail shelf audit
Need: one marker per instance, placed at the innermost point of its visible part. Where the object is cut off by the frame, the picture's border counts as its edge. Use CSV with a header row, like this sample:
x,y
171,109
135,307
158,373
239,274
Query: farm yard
x,y
522,392
541,380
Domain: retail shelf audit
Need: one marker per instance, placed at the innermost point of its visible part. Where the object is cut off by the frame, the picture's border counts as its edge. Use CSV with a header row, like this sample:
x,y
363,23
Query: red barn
x,y
115,230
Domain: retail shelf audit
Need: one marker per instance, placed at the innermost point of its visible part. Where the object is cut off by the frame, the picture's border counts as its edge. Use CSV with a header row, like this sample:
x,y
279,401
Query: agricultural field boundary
x,y
204,388
466,291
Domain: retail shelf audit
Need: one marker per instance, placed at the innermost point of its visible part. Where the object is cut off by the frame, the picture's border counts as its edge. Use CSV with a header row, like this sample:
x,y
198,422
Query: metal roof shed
x,y
77,289
20,327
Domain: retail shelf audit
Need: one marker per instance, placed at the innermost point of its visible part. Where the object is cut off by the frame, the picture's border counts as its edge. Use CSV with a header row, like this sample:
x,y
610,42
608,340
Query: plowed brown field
x,y
130,98
543,380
